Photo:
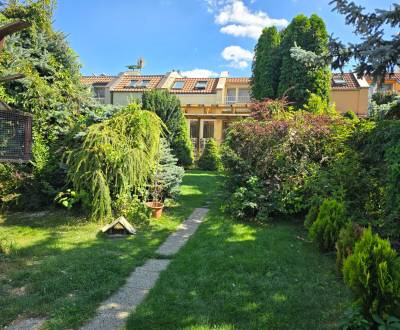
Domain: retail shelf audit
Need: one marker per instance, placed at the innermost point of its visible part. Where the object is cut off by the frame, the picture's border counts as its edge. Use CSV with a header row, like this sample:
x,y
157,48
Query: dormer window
x,y
178,85
201,85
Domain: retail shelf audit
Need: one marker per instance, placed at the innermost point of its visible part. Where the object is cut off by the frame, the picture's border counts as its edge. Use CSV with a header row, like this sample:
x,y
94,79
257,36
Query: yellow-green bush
x,y
373,274
331,219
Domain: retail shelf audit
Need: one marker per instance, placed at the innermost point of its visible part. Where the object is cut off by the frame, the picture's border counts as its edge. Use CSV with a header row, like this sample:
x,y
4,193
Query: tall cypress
x,y
296,80
266,65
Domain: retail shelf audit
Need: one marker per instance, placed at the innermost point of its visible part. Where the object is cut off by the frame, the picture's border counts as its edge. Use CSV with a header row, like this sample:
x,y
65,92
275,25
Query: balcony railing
x,y
241,99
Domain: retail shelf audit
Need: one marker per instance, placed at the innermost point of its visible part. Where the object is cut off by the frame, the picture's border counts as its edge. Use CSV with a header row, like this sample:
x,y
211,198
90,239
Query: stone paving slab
x,y
113,313
26,324
175,241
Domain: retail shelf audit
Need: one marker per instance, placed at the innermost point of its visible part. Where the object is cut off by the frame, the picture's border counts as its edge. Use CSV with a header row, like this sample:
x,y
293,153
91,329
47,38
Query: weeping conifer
x,y
117,157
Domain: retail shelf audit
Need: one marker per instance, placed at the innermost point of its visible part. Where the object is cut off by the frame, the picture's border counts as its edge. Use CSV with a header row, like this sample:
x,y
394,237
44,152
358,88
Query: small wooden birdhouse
x,y
118,228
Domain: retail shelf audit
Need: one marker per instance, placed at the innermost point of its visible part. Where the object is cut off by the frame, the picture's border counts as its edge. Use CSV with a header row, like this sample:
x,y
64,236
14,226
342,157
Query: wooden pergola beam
x,y
11,28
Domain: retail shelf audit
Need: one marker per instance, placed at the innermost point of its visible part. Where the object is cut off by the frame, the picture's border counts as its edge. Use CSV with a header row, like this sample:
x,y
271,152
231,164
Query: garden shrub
x,y
384,97
284,152
210,159
373,274
331,219
311,215
117,157
167,106
348,236
132,208
168,176
248,201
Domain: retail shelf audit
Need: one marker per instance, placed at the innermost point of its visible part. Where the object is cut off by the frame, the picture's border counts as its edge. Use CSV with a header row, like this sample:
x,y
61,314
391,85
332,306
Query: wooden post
x,y
198,137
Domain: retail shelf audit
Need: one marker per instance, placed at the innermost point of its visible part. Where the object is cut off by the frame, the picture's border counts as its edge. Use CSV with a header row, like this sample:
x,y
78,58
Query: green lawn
x,y
60,269
235,275
230,275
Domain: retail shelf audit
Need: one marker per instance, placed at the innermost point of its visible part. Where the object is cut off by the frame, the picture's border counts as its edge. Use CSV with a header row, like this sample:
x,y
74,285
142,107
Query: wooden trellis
x,y
15,126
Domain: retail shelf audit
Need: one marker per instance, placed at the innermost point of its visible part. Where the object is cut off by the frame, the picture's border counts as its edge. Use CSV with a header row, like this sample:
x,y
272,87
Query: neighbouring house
x,y
210,104
350,93
390,83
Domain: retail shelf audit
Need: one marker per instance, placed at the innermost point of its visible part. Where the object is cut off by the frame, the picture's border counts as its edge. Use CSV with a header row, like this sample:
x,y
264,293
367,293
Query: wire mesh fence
x,y
15,136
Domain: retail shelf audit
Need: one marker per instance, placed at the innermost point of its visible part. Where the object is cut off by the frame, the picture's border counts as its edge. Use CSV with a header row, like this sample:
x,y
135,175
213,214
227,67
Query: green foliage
x,y
298,81
353,319
373,273
248,201
117,157
331,219
351,115
390,110
384,97
132,208
311,215
167,106
168,176
316,105
266,65
391,322
71,198
51,91
375,53
284,152
348,236
210,159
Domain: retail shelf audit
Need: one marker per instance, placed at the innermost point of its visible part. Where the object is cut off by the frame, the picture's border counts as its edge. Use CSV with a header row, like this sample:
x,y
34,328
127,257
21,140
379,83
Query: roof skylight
x,y
178,85
201,84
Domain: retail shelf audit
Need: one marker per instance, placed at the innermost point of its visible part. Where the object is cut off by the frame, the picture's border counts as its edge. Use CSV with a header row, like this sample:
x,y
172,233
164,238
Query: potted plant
x,y
155,191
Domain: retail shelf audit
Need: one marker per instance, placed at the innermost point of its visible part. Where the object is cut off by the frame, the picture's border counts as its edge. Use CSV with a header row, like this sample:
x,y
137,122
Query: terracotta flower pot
x,y
156,209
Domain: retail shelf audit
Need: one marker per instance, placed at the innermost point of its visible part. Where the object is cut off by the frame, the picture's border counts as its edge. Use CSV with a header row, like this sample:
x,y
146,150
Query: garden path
x,y
113,313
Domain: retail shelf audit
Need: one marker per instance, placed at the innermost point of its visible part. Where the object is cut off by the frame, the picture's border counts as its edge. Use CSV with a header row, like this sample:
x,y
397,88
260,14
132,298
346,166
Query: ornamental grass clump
x,y
116,158
373,274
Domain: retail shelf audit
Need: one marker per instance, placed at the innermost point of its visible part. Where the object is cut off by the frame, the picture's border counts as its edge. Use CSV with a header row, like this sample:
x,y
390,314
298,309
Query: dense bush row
x,y
344,174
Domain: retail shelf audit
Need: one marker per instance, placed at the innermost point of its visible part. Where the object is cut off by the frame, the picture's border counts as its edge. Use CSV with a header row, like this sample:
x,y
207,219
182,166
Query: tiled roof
x,y
394,76
349,78
122,85
89,80
190,83
241,80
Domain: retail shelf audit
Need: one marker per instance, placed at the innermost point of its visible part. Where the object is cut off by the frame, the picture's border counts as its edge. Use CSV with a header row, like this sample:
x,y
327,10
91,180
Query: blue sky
x,y
187,35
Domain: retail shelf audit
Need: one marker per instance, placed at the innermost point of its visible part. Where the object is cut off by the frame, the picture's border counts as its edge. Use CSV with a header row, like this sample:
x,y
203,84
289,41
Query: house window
x,y
208,129
244,96
230,95
144,83
99,91
133,83
178,85
194,129
201,85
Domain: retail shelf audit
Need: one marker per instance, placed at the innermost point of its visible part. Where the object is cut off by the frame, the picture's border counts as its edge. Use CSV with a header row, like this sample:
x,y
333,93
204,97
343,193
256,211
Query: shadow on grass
x,y
234,275
64,270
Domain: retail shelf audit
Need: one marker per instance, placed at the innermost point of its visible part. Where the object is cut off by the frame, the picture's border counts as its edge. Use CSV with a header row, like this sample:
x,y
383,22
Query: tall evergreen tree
x,y
297,81
168,107
378,51
266,65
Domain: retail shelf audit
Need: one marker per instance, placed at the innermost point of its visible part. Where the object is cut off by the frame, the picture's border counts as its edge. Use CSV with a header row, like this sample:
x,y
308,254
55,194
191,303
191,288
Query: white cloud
x,y
237,56
238,20
199,73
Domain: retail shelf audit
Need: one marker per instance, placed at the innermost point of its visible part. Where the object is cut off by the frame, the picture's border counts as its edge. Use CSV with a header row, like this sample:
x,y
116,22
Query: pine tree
x,y
375,54
266,65
297,80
